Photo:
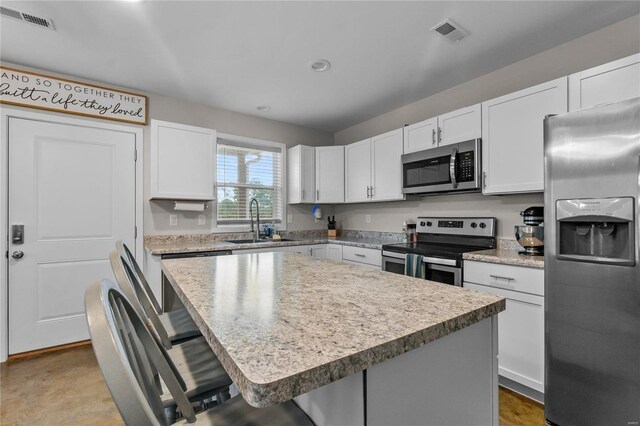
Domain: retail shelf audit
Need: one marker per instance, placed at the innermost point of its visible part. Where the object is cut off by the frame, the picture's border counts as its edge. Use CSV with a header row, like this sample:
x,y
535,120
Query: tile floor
x,y
66,387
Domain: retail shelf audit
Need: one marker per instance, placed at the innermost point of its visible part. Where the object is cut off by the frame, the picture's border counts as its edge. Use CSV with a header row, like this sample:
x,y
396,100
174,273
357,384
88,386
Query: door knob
x,y
17,254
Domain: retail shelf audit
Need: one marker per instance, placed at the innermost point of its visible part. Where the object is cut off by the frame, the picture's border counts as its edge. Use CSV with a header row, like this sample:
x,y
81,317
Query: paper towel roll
x,y
187,206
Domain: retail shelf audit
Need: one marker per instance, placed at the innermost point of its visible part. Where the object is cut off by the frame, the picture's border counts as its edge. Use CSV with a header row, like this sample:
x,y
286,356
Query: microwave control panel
x,y
466,166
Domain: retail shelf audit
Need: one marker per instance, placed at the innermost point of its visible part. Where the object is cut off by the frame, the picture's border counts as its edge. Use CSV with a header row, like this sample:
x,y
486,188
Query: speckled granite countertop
x,y
506,254
159,245
283,324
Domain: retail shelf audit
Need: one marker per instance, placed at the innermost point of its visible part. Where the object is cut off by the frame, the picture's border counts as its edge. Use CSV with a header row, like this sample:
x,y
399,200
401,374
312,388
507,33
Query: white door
x,y
460,125
73,189
420,136
615,81
386,164
357,171
330,174
513,137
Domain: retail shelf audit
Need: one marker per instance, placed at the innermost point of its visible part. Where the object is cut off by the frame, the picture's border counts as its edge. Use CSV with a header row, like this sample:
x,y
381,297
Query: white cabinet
x,y
513,137
460,125
453,127
363,255
357,171
386,166
521,325
301,175
373,168
334,252
615,81
183,162
330,174
421,136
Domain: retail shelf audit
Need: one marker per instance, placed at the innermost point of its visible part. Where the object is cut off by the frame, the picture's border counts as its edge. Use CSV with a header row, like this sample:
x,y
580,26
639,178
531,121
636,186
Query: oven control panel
x,y
473,226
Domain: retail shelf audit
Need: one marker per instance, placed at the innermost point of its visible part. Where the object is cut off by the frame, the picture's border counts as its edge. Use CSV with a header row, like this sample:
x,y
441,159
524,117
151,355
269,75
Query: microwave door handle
x,y
452,167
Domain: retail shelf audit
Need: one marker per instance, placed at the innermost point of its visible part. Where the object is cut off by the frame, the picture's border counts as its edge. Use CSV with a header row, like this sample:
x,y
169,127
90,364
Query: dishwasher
x,y
170,301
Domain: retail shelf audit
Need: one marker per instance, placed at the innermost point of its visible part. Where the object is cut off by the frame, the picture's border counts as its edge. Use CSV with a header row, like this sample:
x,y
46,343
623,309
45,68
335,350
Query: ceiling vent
x,y
450,30
19,15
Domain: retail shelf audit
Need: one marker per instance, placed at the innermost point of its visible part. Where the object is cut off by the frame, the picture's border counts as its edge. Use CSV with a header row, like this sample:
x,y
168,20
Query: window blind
x,y
247,171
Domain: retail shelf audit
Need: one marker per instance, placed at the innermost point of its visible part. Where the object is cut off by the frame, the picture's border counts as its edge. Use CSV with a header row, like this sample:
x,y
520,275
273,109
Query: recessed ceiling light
x,y
320,65
263,108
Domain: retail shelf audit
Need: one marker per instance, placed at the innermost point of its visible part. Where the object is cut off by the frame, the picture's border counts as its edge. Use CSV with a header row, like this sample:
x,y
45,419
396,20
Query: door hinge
x,y
135,155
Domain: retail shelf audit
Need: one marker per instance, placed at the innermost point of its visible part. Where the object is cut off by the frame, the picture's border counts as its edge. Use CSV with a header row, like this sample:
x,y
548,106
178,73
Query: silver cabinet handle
x,y
372,192
500,277
360,255
317,194
439,135
368,192
484,180
17,254
433,136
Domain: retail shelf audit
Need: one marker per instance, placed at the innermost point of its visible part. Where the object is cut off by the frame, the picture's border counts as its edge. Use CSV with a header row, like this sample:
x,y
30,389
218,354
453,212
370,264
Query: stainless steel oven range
x,y
442,242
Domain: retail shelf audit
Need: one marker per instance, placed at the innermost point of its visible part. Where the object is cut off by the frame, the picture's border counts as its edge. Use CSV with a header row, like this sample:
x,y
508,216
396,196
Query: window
x,y
245,171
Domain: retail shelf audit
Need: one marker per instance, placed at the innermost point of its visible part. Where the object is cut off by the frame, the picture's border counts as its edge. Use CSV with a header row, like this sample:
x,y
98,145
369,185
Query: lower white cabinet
x,y
521,325
318,251
362,255
334,252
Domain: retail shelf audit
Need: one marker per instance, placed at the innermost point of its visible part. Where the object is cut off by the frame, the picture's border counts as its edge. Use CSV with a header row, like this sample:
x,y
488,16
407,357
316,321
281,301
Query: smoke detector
x,y
450,30
19,15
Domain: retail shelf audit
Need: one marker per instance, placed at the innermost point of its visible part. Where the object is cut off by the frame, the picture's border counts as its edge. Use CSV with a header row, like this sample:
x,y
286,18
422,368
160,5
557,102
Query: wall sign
x,y
33,90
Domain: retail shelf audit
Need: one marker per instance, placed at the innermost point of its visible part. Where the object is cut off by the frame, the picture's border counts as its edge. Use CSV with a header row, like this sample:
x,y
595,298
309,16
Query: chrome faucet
x,y
257,228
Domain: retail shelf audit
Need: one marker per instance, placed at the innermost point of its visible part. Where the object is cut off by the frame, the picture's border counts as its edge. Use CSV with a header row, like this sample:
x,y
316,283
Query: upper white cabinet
x,y
330,174
373,168
453,127
421,136
513,137
357,169
386,166
301,175
183,162
615,81
460,125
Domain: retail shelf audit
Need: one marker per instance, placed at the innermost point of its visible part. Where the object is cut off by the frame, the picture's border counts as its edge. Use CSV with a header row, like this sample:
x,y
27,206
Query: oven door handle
x,y
452,167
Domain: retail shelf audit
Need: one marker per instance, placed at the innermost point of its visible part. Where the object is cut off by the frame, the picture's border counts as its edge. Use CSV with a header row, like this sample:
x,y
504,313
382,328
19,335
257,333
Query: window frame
x,y
221,137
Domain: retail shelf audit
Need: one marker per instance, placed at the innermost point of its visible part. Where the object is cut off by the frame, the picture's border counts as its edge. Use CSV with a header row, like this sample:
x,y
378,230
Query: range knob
x,y
474,225
483,225
421,223
428,223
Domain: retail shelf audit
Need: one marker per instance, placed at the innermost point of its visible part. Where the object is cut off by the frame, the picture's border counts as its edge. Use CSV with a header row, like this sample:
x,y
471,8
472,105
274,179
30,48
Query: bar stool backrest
x,y
126,254
131,360
131,287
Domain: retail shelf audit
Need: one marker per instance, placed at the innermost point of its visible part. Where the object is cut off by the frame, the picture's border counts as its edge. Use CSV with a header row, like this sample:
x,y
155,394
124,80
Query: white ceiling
x,y
238,55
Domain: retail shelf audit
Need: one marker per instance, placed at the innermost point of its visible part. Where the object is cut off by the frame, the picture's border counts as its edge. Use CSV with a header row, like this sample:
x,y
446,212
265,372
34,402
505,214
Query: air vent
x,y
19,15
450,30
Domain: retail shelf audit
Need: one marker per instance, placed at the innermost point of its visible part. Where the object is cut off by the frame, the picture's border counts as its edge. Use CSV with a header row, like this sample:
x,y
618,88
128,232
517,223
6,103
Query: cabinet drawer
x,y
362,265
515,278
362,255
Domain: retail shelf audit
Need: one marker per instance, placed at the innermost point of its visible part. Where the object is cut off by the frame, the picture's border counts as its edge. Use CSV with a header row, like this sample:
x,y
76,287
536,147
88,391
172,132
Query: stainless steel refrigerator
x,y
592,269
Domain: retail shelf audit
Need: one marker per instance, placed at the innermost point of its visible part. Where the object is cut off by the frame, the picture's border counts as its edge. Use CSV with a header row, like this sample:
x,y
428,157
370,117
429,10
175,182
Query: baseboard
x,y
521,389
49,349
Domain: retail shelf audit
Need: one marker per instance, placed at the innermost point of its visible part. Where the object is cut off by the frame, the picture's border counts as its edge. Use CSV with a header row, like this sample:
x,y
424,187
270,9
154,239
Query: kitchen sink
x,y
252,241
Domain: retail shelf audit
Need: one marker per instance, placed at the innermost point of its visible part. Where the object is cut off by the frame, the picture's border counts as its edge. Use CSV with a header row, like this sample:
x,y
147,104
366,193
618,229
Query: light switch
x,y
173,220
367,218
201,219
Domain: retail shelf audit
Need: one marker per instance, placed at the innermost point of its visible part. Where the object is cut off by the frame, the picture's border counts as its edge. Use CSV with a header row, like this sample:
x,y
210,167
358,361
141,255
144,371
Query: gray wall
x,y
156,213
608,44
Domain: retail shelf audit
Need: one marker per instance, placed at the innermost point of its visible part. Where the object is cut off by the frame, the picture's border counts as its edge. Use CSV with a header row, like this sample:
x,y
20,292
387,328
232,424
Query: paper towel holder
x,y
190,206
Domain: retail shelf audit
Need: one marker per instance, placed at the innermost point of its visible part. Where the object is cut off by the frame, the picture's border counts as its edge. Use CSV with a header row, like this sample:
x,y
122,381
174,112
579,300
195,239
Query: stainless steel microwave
x,y
449,168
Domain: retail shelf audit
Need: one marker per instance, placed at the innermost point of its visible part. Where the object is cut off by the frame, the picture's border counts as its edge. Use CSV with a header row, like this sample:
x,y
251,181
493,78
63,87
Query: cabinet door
x,y
386,166
330,174
513,137
520,337
357,169
615,81
420,136
334,252
183,161
318,251
294,175
460,125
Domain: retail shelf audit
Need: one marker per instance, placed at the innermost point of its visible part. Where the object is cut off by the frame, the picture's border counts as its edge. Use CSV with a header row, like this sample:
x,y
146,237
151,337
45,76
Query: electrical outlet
x,y
289,218
173,220
201,219
367,218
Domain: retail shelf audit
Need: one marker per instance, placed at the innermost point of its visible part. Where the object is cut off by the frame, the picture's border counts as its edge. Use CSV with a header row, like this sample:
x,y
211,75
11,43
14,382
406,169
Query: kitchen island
x,y
350,345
